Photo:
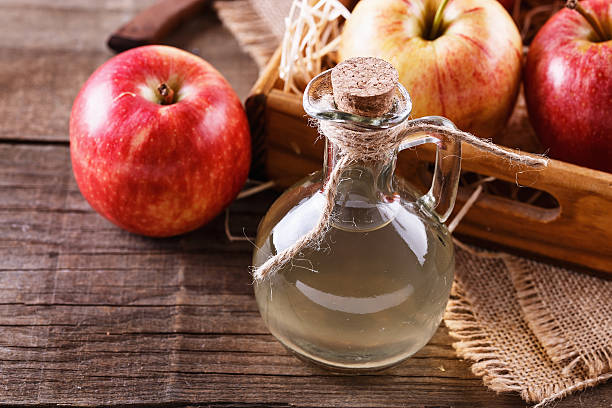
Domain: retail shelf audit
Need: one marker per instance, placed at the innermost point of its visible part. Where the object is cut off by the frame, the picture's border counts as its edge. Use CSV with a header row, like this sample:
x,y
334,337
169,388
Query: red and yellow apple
x,y
159,141
568,85
468,68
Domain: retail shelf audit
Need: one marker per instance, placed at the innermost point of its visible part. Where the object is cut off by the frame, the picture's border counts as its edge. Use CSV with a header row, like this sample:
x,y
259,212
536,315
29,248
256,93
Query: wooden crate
x,y
578,231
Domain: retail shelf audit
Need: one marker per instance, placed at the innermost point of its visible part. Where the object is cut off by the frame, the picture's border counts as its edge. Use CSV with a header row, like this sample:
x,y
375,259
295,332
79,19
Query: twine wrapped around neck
x,y
355,146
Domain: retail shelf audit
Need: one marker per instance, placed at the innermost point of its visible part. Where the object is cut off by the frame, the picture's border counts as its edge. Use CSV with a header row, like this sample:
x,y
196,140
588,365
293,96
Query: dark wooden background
x,y
93,316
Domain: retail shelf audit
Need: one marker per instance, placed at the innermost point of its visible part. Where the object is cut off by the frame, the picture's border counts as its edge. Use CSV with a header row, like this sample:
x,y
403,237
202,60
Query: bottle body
x,y
373,290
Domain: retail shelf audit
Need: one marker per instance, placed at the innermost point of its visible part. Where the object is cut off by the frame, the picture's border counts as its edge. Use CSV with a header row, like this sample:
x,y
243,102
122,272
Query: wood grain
x,y
49,49
98,304
91,315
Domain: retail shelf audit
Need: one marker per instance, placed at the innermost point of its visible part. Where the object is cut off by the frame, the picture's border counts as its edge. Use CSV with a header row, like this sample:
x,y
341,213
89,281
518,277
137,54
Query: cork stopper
x,y
364,86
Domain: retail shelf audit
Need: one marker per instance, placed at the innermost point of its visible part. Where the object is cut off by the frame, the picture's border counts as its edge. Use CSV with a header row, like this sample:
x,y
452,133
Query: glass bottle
x,y
372,292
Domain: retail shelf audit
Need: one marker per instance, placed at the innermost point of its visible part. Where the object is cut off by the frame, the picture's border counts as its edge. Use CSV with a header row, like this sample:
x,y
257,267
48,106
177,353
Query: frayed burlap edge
x,y
474,344
252,32
547,329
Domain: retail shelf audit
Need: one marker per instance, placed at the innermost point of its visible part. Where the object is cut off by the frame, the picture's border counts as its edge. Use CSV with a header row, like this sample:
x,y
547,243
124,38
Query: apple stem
x,y
575,5
166,93
435,27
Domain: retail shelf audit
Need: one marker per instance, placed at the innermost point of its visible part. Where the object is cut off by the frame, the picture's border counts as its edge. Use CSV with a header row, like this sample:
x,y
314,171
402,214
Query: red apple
x,y
159,141
568,86
468,69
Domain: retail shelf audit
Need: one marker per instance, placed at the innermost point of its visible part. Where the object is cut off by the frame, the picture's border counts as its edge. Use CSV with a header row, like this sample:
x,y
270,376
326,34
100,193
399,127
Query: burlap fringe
x,y
251,31
547,329
474,345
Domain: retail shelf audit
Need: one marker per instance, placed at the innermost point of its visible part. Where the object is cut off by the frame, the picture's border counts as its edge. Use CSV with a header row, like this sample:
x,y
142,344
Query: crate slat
x,y
579,232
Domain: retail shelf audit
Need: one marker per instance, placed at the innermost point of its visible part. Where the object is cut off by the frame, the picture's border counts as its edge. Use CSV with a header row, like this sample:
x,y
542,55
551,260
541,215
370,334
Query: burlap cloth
x,y
529,327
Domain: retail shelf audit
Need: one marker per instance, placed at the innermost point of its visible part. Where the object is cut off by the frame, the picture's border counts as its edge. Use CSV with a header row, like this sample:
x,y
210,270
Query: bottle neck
x,y
365,196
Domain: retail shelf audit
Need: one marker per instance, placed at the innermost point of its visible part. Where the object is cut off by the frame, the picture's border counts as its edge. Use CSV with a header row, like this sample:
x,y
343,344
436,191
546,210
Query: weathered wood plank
x,y
91,315
49,49
63,25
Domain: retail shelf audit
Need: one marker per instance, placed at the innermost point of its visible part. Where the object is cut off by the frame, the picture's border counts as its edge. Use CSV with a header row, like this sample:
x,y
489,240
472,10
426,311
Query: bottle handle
x,y
443,191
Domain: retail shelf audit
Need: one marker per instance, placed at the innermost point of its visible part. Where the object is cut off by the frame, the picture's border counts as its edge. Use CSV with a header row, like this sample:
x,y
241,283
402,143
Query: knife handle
x,y
153,23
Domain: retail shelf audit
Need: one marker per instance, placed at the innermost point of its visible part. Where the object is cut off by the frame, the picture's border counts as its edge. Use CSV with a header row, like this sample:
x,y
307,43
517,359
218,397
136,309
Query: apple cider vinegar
x,y
353,267
363,298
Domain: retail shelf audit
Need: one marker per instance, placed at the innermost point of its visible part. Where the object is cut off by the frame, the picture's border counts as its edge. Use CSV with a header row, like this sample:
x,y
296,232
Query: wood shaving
x,y
312,35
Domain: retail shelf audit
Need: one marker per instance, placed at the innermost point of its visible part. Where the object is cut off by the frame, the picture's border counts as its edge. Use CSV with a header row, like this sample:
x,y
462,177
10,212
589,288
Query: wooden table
x,y
93,316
